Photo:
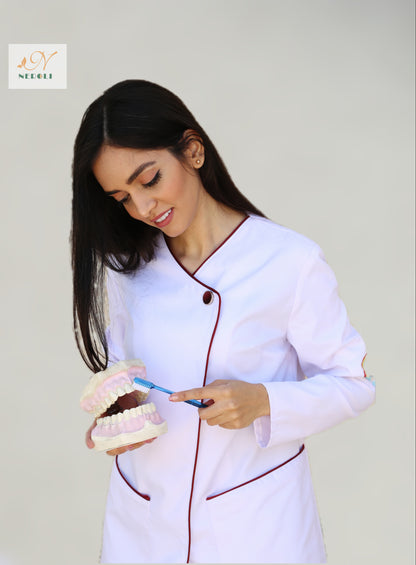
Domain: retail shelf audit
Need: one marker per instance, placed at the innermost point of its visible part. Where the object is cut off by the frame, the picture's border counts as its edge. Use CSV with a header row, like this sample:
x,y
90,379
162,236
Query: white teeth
x,y
112,396
165,215
126,415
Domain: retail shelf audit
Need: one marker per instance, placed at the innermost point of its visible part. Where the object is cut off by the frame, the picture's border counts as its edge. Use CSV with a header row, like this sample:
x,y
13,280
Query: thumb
x,y
88,440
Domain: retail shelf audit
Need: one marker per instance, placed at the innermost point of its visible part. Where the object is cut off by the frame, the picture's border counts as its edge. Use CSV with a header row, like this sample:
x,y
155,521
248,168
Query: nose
x,y
144,204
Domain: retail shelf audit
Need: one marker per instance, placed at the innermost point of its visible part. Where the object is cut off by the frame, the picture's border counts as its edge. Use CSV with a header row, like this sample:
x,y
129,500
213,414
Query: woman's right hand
x,y
118,450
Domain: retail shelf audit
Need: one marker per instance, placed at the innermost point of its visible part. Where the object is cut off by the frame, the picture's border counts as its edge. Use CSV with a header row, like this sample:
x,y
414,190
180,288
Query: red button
x,y
208,297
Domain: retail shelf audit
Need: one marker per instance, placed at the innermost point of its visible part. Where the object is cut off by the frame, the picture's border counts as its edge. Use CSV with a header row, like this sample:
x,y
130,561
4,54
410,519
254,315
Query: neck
x,y
212,225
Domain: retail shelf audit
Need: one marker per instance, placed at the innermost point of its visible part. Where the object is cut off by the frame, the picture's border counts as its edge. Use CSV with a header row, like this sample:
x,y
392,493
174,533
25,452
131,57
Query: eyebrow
x,y
133,176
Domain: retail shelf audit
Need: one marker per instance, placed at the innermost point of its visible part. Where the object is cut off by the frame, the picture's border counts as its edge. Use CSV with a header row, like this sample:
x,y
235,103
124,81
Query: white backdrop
x,y
310,104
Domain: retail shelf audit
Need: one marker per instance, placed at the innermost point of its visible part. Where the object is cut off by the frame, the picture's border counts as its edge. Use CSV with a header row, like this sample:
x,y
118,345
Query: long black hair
x,y
135,114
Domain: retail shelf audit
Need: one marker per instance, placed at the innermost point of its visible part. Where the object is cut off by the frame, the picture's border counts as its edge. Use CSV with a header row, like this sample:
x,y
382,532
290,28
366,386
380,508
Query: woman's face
x,y
152,185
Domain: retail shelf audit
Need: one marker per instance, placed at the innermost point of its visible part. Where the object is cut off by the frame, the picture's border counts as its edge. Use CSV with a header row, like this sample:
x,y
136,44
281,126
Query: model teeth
x,y
105,387
111,398
143,410
165,215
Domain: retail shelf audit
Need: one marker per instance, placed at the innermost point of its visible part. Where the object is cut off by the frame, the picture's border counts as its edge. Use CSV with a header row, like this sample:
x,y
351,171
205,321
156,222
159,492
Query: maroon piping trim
x,y
362,366
199,424
221,244
192,275
145,496
259,477
211,254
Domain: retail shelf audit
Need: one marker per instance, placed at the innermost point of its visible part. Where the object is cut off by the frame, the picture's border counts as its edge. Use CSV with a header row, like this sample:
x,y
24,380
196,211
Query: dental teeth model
x,y
123,416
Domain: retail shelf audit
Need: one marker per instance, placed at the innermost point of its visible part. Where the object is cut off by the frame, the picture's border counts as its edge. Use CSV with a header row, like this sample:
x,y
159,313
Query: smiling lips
x,y
163,219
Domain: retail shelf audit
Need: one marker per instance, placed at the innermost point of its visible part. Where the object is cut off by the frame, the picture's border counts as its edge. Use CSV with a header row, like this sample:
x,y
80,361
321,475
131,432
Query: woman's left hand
x,y
232,405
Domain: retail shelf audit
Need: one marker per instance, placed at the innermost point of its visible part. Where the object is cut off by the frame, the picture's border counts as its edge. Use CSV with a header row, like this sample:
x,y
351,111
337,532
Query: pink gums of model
x,y
105,396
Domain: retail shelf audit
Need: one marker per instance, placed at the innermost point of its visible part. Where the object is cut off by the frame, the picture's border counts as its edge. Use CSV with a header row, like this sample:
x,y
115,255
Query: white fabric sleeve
x,y
330,354
115,319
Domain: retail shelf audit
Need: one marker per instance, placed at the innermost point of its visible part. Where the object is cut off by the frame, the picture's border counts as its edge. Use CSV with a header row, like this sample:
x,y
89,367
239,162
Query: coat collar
x,y
166,250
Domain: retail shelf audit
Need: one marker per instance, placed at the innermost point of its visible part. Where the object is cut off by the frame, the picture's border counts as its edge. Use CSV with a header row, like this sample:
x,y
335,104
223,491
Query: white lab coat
x,y
262,308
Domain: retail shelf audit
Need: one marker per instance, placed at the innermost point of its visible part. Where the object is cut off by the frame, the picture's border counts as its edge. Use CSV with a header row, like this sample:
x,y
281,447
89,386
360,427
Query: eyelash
x,y
154,180
151,183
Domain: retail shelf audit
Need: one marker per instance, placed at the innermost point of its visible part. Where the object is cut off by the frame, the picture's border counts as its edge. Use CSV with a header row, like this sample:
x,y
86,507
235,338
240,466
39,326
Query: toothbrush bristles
x,y
141,386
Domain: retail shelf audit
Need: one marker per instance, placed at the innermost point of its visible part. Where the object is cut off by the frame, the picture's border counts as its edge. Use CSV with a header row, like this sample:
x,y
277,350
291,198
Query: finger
x,y
230,426
223,419
88,440
227,422
211,391
191,394
117,451
209,402
210,410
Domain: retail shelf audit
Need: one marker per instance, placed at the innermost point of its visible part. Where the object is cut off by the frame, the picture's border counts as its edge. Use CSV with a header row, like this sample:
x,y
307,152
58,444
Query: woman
x,y
221,304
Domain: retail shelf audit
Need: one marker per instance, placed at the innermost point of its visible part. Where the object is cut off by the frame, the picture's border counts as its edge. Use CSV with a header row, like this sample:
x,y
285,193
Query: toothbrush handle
x,y
196,403
193,402
157,387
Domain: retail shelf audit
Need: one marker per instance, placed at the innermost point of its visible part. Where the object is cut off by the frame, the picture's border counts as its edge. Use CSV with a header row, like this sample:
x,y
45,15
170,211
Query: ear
x,y
194,151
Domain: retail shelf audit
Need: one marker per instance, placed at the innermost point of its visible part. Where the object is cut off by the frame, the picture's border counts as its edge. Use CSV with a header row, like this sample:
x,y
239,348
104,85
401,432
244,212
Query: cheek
x,y
177,189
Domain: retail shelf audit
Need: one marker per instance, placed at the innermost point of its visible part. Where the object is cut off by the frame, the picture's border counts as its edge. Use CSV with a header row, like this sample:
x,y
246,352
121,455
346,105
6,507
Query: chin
x,y
173,230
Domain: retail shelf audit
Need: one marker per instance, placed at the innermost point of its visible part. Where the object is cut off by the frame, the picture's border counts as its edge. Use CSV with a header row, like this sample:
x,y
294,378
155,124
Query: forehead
x,y
109,157
116,164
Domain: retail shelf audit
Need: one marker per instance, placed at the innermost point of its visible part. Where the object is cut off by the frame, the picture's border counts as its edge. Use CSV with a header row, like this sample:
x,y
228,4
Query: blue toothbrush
x,y
144,386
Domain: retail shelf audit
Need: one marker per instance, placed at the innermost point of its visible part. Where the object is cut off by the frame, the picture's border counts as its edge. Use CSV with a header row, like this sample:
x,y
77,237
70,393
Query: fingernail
x,y
173,397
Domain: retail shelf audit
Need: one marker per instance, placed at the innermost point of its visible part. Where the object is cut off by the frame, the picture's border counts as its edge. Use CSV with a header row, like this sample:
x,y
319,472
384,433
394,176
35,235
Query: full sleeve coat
x,y
262,308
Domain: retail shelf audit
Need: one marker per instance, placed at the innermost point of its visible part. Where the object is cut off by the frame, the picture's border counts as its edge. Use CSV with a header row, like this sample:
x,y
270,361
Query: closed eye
x,y
149,184
123,200
154,180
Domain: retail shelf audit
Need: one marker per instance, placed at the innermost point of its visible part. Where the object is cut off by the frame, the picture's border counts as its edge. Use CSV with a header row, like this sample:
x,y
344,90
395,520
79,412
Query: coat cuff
x,y
299,409
262,430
